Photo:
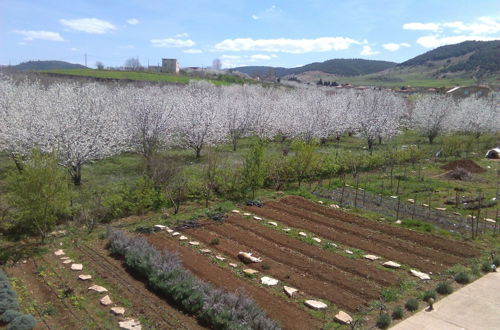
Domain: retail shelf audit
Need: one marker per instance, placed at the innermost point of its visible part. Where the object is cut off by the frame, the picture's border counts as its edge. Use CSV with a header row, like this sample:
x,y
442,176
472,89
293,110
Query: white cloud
x,y
127,47
30,35
394,46
89,25
172,43
293,46
231,61
367,51
434,41
181,35
267,13
421,26
261,57
73,49
193,51
133,21
255,17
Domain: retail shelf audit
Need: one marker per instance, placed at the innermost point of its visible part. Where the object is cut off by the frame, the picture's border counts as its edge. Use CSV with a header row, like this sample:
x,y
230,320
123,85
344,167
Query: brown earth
x,y
348,239
466,164
288,314
453,247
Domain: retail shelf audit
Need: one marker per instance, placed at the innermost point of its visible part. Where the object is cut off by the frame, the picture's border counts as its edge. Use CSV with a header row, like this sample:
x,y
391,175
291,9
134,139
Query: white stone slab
x,y
59,253
130,324
257,218
272,223
391,264
98,288
118,311
269,281
290,291
85,277
343,318
420,275
302,234
315,304
76,267
316,239
370,257
194,243
106,300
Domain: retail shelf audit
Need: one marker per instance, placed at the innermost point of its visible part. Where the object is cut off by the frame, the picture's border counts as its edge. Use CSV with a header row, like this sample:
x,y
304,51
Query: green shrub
x,y
390,294
9,315
23,322
486,266
266,266
398,312
215,241
496,261
411,304
429,294
462,277
444,288
383,321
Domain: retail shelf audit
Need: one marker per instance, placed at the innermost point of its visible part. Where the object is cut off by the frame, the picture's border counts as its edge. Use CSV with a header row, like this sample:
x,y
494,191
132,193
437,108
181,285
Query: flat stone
x,y
67,261
250,271
176,233
194,243
170,231
290,291
302,234
287,229
183,238
411,200
314,304
332,244
489,220
257,218
235,211
118,310
272,223
426,205
320,202
98,288
457,213
64,258
220,258
85,277
334,206
248,258
159,227
441,208
266,280
391,264
398,222
106,300
394,197
349,252
233,265
420,275
370,257
76,267
246,214
205,251
59,253
130,324
343,318
316,239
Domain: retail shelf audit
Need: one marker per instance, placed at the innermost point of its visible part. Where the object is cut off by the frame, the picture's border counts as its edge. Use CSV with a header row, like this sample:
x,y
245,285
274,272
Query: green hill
x,y
47,65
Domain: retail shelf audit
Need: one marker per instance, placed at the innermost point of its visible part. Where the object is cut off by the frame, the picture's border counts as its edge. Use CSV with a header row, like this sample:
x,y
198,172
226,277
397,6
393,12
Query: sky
x,y
285,33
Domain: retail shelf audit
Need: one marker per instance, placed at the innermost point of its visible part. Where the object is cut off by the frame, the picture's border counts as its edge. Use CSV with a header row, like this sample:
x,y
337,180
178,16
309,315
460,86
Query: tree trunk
x,y
76,174
198,152
370,143
17,161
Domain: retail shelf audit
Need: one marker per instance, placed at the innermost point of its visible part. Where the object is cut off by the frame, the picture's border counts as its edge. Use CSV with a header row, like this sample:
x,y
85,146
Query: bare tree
x,y
133,64
99,65
216,64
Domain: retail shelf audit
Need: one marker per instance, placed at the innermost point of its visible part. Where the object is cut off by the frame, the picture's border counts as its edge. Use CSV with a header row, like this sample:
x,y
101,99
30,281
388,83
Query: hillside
x,y
341,67
47,65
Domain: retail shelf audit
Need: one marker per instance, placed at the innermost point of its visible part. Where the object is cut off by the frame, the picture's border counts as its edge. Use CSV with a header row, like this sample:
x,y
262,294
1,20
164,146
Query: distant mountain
x,y
46,65
341,67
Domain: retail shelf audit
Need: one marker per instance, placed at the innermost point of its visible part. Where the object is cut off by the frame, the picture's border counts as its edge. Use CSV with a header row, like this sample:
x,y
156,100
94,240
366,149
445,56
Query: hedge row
x,y
9,308
213,307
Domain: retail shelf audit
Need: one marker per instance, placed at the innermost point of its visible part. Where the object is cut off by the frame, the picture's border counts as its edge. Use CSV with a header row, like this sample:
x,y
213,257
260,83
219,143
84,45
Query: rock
x,y
220,258
370,257
233,265
394,197
59,253
176,233
159,227
130,324
246,214
441,208
302,234
457,213
411,200
106,300
272,223
118,310
489,220
290,291
316,239
76,267
286,230
349,252
334,206
250,271
98,289
420,275
205,251
235,211
183,238
170,231
343,318
314,304
248,258
257,218
391,264
268,281
320,202
67,261
426,205
398,222
333,244
85,277
194,243
64,258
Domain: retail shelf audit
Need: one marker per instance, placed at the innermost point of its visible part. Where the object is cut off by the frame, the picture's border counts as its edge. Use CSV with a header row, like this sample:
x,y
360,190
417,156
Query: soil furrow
x,y
289,315
453,247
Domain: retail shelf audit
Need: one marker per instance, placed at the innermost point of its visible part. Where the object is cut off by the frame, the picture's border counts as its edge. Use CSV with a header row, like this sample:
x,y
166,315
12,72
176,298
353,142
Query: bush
x,y
411,304
462,277
23,322
9,315
496,261
428,295
215,241
444,288
266,266
398,312
486,266
384,321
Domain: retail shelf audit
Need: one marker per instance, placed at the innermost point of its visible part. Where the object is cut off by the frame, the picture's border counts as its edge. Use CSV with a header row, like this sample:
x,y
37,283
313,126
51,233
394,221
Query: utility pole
x,y
85,59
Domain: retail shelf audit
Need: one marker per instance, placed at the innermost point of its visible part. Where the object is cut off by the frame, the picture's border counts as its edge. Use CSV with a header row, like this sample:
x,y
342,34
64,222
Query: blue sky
x,y
253,32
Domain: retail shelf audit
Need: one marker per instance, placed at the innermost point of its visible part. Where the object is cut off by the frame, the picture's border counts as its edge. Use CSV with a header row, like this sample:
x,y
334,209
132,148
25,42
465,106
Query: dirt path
x,y
453,247
289,316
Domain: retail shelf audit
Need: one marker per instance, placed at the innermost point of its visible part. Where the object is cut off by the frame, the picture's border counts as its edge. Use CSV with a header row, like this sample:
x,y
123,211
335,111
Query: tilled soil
x,y
456,248
466,164
382,238
349,239
289,315
320,281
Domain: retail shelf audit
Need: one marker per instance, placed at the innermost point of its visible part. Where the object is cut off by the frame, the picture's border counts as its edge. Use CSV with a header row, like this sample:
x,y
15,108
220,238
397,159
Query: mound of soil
x,y
458,174
466,164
